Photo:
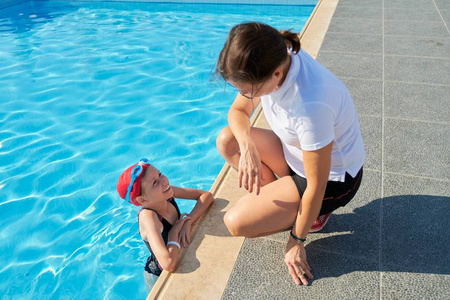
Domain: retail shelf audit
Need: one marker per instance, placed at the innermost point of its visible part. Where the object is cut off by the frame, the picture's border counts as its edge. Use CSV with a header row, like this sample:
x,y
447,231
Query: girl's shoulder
x,y
146,214
150,223
149,220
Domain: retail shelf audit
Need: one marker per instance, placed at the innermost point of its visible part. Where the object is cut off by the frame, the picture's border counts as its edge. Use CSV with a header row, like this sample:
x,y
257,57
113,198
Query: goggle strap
x,y
135,172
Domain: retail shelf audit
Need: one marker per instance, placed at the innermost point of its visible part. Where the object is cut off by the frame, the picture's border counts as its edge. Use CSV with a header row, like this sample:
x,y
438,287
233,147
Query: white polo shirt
x,y
311,109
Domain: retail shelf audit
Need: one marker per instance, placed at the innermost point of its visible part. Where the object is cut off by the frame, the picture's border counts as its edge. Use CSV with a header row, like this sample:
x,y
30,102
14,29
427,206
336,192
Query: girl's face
x,y
155,186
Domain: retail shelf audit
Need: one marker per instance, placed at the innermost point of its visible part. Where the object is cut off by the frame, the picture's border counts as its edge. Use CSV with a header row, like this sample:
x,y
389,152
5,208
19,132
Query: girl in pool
x,y
315,145
162,228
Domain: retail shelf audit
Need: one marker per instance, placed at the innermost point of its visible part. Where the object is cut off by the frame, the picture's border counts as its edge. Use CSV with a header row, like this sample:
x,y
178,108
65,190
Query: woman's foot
x,y
320,222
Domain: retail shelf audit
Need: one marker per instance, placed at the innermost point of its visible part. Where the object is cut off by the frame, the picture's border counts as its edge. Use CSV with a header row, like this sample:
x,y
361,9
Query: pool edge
x,y
211,241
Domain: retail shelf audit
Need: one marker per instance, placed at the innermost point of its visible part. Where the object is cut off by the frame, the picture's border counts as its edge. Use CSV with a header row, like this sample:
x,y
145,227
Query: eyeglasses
x,y
135,172
252,95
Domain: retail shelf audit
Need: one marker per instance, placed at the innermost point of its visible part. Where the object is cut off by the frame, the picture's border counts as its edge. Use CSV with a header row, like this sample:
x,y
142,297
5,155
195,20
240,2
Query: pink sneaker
x,y
320,222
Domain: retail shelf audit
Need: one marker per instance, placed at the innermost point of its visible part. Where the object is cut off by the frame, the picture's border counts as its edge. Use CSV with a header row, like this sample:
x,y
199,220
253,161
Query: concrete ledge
x,y
206,265
314,31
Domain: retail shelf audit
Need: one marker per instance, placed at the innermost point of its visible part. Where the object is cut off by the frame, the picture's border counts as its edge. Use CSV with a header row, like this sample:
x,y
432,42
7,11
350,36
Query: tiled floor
x,y
392,240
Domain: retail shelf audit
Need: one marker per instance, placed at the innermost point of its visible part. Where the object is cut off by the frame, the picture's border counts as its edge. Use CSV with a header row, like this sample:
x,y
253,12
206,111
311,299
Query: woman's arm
x,y
317,166
250,170
239,117
204,200
151,230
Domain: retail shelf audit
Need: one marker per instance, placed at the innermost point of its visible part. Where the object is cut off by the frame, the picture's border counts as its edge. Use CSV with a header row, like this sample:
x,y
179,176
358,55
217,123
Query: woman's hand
x,y
185,233
250,171
295,259
174,234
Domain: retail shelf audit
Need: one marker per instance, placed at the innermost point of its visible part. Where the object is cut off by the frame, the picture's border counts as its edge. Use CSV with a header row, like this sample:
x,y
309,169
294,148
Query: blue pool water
x,y
87,89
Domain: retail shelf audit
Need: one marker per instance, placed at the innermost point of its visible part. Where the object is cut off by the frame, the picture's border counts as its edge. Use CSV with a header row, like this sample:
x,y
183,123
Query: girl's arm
x,y
151,230
204,200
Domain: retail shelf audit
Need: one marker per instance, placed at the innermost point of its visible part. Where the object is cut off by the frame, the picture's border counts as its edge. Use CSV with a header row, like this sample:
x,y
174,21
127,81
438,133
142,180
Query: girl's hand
x,y
295,259
174,234
185,233
250,171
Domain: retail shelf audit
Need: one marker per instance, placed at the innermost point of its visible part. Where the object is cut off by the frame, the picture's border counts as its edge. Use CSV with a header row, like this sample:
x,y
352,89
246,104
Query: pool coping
x,y
211,243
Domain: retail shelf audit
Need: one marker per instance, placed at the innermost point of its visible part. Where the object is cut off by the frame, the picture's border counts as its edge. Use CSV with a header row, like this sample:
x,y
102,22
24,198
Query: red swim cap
x,y
124,183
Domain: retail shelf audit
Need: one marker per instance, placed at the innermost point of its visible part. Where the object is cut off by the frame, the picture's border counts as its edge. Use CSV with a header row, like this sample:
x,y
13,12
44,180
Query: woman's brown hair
x,y
253,51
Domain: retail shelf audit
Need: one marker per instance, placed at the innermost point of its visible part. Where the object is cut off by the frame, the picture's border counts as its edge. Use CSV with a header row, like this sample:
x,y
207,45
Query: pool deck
x,y
392,240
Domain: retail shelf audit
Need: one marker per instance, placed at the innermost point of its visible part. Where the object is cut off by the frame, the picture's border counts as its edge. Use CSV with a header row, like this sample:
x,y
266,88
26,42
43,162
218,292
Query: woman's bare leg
x,y
269,149
273,210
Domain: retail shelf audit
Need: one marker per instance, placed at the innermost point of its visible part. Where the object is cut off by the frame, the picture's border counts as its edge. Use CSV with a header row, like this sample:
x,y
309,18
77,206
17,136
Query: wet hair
x,y
253,51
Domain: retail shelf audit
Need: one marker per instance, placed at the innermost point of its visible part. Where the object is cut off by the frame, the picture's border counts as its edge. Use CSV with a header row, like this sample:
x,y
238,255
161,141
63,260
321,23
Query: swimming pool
x,y
86,89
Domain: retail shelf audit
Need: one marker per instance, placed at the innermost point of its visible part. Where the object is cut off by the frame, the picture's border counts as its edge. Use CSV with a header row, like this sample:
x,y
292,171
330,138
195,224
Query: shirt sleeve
x,y
316,128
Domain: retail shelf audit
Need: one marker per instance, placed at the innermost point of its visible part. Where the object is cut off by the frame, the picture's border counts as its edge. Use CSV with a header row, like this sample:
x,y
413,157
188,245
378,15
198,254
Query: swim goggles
x,y
135,173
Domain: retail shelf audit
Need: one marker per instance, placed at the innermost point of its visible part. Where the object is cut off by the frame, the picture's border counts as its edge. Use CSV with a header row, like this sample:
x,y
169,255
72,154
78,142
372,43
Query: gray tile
x,y
358,12
417,70
416,101
352,43
361,26
445,13
363,204
362,66
417,148
401,186
371,133
417,46
442,4
411,214
413,28
420,4
413,286
366,94
354,224
414,208
361,3
266,276
416,14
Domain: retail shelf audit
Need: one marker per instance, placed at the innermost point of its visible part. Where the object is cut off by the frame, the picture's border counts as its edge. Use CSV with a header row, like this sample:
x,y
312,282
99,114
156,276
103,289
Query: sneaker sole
x,y
320,228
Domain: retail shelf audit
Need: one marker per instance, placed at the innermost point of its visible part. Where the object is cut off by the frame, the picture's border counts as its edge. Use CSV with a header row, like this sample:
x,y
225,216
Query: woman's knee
x,y
232,221
226,142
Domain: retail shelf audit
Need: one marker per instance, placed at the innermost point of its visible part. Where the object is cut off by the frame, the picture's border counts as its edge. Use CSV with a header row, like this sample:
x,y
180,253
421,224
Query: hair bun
x,y
292,40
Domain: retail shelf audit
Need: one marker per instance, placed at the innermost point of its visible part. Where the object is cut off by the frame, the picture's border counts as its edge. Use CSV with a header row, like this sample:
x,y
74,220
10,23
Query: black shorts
x,y
337,193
